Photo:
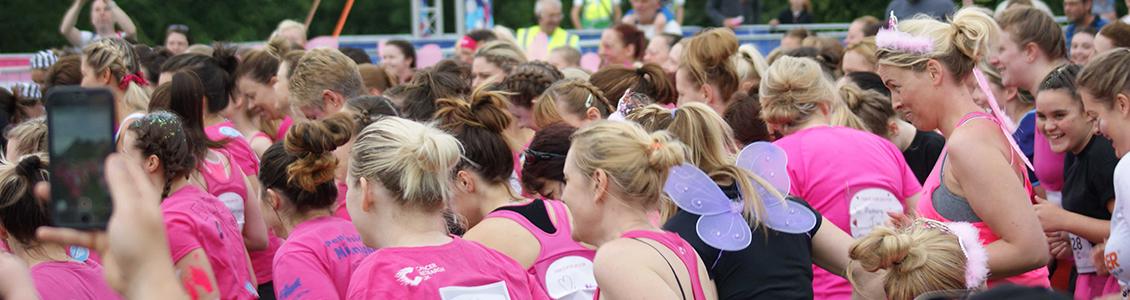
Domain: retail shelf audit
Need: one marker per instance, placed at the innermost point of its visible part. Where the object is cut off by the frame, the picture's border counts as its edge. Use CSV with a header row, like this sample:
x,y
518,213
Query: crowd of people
x,y
974,155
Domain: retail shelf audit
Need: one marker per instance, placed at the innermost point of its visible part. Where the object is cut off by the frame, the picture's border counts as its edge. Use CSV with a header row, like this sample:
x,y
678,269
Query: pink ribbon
x,y
1005,123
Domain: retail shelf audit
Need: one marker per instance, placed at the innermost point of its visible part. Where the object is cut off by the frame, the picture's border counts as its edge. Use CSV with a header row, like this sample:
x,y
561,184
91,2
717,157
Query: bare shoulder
x,y
500,229
622,252
977,140
508,237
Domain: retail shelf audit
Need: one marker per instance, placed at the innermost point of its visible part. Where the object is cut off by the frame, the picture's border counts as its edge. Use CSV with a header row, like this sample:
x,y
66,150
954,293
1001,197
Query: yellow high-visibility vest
x,y
597,14
559,38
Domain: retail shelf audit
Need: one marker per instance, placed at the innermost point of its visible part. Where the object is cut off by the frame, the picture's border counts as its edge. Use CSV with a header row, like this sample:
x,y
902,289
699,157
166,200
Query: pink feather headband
x,y
892,38
976,257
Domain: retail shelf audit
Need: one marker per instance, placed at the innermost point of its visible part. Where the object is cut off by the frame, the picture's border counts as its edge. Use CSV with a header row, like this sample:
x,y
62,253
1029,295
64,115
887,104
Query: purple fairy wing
x,y
694,191
788,216
767,161
728,231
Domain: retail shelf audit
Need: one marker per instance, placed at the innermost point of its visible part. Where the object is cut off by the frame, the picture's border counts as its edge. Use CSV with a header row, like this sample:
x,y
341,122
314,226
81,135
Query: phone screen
x,y
81,130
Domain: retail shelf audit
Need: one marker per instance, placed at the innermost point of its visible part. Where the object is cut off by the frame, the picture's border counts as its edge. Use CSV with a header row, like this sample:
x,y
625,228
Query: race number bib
x,y
570,277
234,203
493,291
869,208
1081,248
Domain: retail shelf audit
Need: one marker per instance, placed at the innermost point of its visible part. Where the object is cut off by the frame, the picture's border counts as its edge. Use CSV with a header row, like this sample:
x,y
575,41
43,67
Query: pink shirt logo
x,y
425,273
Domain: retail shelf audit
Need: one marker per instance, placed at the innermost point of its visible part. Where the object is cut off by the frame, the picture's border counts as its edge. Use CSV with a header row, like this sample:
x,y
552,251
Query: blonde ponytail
x,y
635,161
792,91
918,259
412,160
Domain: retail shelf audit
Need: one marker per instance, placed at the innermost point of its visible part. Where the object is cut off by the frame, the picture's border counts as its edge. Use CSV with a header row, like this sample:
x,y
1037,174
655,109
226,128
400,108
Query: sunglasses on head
x,y
178,27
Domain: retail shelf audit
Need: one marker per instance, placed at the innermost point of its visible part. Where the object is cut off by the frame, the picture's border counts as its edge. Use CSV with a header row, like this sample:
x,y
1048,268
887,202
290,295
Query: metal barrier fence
x,y
14,67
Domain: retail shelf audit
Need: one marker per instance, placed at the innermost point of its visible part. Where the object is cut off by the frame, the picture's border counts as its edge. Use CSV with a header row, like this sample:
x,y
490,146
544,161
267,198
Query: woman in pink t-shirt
x,y
218,172
536,233
204,240
55,273
321,250
980,178
852,177
400,180
364,110
614,175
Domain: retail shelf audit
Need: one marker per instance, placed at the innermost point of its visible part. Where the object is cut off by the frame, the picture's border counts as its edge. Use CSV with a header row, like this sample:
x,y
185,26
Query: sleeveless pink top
x,y
680,247
226,181
563,267
1037,277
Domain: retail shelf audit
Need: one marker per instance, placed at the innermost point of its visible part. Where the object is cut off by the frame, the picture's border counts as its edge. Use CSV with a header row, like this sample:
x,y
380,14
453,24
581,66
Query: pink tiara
x,y
892,38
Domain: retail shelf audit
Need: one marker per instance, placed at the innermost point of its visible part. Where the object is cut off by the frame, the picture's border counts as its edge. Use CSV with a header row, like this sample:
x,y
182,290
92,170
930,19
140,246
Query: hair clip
x,y
588,101
892,38
469,162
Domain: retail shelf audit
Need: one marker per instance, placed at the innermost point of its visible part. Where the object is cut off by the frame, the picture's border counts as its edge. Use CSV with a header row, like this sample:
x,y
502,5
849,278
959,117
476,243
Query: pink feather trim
x,y
977,258
902,41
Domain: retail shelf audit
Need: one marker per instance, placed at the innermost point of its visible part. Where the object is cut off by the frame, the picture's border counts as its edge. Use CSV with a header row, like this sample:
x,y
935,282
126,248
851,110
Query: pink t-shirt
x,y
1047,163
851,177
458,268
71,280
341,210
236,146
194,220
262,260
284,126
317,259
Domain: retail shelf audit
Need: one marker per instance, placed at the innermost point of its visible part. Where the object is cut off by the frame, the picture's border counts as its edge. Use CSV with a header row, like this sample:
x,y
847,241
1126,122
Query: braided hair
x,y
576,95
528,80
162,134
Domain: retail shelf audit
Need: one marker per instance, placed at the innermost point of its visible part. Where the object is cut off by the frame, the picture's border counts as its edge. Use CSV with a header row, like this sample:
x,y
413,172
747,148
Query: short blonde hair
x,y
414,161
117,57
754,63
288,25
867,48
31,136
957,45
323,69
918,259
635,162
792,90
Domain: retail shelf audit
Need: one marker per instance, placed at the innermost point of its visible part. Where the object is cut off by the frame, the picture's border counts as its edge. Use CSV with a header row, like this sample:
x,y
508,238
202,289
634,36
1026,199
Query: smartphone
x,y
80,129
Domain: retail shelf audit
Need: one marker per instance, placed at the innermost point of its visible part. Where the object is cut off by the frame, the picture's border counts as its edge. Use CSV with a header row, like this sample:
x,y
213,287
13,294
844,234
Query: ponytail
x,y
478,124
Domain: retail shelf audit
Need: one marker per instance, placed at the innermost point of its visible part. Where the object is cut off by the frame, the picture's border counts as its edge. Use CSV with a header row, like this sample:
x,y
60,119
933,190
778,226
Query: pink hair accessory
x,y
468,43
976,257
892,38
1003,121
135,78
